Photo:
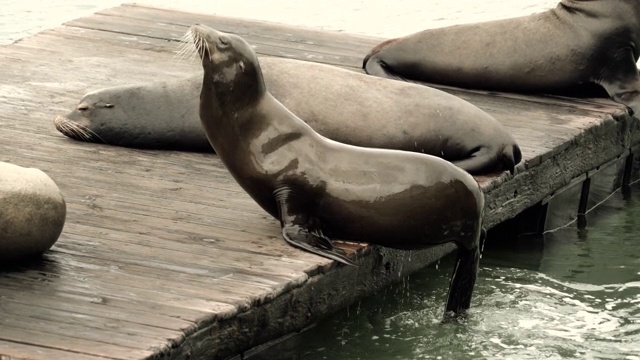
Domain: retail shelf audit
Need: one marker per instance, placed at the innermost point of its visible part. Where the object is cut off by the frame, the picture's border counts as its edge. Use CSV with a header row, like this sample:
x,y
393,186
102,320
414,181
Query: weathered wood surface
x,y
163,255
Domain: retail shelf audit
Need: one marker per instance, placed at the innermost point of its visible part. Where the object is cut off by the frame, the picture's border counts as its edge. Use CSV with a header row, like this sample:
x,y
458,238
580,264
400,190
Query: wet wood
x,y
163,255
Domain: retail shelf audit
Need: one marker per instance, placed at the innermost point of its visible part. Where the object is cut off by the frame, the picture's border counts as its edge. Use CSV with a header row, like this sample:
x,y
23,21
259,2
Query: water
x,y
376,18
22,18
572,294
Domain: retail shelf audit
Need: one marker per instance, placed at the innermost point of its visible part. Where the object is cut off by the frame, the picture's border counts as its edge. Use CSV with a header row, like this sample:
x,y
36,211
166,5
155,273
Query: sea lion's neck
x,y
233,91
237,84
225,106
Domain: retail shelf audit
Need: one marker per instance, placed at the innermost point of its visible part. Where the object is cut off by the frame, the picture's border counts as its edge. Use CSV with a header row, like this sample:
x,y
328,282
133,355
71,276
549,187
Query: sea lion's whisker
x,y
88,133
93,133
76,131
179,54
82,132
65,128
187,37
69,130
206,45
192,38
186,49
200,44
182,54
196,41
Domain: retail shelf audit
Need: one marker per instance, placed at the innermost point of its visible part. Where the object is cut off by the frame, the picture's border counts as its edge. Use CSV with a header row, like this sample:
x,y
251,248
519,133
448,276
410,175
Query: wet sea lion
x,y
342,105
561,50
321,189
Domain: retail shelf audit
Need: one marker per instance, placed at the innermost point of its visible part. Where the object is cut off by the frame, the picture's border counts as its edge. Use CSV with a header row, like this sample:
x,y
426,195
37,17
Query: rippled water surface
x,y
573,294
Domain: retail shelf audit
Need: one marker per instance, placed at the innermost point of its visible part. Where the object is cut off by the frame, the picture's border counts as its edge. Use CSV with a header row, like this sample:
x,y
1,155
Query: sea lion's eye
x,y
83,107
108,106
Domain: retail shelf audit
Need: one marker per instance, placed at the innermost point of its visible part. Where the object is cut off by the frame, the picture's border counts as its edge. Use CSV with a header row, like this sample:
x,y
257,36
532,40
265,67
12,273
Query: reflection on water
x,y
573,295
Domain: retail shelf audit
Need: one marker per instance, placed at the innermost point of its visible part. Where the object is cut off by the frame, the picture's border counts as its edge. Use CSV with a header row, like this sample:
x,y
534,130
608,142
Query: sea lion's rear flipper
x,y
463,279
485,160
373,64
621,80
301,231
376,67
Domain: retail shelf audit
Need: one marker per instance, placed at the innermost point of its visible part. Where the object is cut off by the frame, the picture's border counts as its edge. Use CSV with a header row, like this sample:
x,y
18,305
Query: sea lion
x,y
321,189
342,105
561,51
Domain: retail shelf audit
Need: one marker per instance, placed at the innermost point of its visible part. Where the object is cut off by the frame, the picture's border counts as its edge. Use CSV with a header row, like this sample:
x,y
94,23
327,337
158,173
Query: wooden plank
x,y
47,286
69,324
16,350
106,290
262,44
83,306
226,286
54,340
245,27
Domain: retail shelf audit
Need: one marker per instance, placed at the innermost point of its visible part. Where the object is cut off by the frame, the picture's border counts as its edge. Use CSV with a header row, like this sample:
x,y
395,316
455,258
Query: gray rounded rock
x,y
32,212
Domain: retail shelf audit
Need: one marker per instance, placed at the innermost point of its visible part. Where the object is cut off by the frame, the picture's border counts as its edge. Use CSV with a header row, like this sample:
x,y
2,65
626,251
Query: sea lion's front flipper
x,y
313,242
299,228
621,80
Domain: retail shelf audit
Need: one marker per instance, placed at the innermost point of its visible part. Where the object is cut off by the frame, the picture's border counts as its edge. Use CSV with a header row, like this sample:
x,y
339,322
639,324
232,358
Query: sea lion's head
x,y
84,123
230,66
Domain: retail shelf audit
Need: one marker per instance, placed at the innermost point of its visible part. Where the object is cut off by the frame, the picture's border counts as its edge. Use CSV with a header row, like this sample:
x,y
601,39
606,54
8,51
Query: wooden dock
x,y
163,256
